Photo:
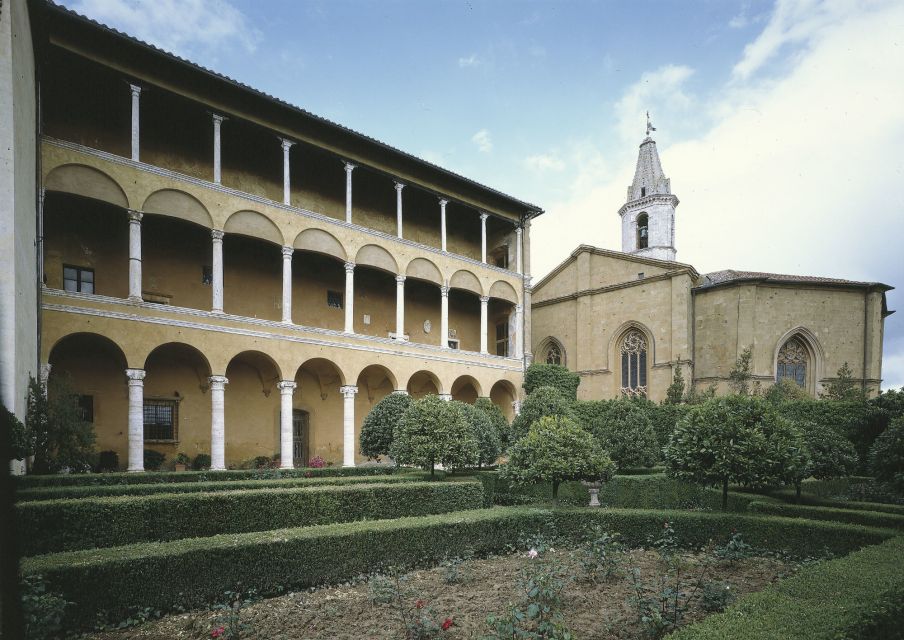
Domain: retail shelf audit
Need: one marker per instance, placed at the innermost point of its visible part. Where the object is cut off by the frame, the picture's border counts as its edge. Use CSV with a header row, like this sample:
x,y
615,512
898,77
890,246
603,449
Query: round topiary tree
x,y
831,455
552,375
886,456
381,422
488,444
626,432
497,419
544,401
434,431
556,450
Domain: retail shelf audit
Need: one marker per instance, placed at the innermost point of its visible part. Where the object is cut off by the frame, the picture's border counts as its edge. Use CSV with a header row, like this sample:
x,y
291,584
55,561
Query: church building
x,y
626,320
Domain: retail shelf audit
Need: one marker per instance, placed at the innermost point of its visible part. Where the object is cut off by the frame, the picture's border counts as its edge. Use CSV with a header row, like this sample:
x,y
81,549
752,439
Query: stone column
x,y
348,425
525,322
349,167
217,271
135,255
136,92
519,237
484,305
483,236
445,397
286,182
400,308
44,373
442,223
444,317
287,284
349,297
286,390
217,422
519,332
398,207
136,419
516,407
217,165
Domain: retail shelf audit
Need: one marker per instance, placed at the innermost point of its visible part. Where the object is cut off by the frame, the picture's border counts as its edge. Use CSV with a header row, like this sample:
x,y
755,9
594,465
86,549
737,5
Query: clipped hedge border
x,y
859,597
788,495
852,516
151,477
60,525
101,490
833,486
194,572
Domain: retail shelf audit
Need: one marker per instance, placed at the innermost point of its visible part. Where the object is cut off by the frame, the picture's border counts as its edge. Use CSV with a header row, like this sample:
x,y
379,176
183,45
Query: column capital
x,y
348,391
349,166
444,291
286,144
286,387
484,299
45,371
446,397
217,235
519,308
483,216
135,89
349,267
136,376
400,279
400,392
218,382
443,202
134,215
217,118
399,185
288,251
519,230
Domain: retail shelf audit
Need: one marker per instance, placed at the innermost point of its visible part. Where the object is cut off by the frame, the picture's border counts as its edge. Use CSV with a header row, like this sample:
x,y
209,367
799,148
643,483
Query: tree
x,y
381,422
740,376
552,375
488,445
843,387
543,401
675,393
556,450
886,456
831,455
497,419
785,391
434,431
14,430
61,437
627,434
735,439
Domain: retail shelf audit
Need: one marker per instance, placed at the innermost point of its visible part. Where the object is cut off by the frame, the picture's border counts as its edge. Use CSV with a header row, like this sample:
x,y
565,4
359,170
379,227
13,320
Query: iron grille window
x,y
161,419
334,299
78,279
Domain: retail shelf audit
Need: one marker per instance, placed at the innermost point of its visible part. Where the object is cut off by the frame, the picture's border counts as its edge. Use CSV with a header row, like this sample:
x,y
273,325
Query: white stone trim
x,y
348,424
286,390
217,422
217,163
136,419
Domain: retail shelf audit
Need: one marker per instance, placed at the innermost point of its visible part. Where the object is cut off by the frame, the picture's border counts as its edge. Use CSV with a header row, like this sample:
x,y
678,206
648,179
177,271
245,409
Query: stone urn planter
x,y
594,489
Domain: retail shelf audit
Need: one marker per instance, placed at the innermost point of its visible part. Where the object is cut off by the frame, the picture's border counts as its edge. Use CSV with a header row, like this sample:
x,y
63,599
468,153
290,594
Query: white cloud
x,y
542,162
471,61
483,141
662,88
739,21
183,27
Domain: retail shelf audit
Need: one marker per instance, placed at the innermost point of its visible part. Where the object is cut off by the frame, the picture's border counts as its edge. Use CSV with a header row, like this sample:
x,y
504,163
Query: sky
x,y
780,125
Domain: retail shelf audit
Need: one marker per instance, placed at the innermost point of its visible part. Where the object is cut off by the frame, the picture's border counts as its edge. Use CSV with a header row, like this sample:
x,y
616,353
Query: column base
x,y
217,469
287,321
286,466
218,312
135,470
135,299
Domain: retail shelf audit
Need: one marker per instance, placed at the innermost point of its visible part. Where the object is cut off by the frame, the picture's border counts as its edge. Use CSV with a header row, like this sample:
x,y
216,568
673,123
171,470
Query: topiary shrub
x,y
13,428
542,402
552,375
153,460
489,447
381,422
664,418
627,434
556,450
831,455
497,419
785,391
201,462
886,456
590,414
434,431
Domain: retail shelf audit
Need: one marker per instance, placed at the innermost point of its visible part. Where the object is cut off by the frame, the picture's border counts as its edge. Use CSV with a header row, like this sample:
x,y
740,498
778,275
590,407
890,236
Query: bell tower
x,y
648,216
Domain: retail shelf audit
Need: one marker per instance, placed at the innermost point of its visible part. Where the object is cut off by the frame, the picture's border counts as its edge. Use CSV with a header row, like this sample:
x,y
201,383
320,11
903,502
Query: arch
x,y
320,241
371,255
178,204
464,279
86,181
643,231
619,334
261,362
547,350
645,364
422,382
423,269
183,352
326,371
254,224
814,352
459,388
503,394
374,377
504,291
95,341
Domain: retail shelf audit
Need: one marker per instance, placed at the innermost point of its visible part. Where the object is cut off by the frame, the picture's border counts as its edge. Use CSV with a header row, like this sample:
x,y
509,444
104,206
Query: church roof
x,y
729,276
648,176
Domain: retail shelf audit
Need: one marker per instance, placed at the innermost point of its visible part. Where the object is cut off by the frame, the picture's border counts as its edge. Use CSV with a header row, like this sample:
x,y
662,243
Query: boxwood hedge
x,y
194,572
853,516
57,525
788,495
99,490
859,597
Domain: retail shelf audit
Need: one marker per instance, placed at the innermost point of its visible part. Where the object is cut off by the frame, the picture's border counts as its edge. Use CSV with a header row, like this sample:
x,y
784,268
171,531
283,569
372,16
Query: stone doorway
x,y
300,429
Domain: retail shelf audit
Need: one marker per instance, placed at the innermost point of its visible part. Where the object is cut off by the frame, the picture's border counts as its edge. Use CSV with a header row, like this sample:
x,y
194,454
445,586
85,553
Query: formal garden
x,y
759,514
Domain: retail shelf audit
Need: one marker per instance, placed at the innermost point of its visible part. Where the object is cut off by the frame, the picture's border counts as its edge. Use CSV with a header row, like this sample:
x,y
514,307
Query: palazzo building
x,y
626,320
221,272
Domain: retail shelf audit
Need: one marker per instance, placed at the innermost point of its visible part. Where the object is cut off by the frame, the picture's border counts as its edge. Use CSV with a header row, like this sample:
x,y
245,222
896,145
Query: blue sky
x,y
780,124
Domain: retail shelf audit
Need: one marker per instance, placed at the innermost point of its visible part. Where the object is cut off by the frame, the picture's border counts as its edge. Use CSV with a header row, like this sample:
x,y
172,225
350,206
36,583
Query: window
x,y
502,339
643,230
206,274
334,299
792,363
161,419
78,279
640,275
85,407
643,191
553,354
499,257
634,364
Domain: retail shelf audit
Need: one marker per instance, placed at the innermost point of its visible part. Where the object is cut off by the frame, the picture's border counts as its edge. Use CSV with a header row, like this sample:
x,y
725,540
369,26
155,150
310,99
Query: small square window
x,y
640,276
334,299
78,279
206,274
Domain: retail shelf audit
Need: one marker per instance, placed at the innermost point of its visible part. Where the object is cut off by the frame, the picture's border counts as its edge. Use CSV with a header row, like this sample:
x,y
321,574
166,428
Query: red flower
x,y
419,604
216,633
447,623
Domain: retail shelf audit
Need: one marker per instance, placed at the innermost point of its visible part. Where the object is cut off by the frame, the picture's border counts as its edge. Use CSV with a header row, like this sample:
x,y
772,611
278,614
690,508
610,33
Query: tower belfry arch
x,y
648,215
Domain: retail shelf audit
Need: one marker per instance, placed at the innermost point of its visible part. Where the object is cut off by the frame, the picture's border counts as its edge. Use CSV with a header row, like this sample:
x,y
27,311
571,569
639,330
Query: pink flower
x,y
219,631
419,604
532,553
447,623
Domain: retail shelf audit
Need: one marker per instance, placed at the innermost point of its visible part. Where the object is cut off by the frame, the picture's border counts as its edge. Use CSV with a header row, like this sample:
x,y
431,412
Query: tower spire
x,y
650,126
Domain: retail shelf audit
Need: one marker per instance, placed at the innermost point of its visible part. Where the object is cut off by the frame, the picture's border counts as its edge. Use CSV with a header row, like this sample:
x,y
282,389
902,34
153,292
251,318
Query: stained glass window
x,y
792,362
634,364
553,354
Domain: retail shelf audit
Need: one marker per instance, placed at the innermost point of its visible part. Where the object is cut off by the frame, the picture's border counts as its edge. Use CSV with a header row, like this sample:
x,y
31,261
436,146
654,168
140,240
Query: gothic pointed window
x,y
553,354
634,364
643,231
793,359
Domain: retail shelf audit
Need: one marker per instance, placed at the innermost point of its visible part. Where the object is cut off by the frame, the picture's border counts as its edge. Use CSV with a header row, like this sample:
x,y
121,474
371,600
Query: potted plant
x,y
183,462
